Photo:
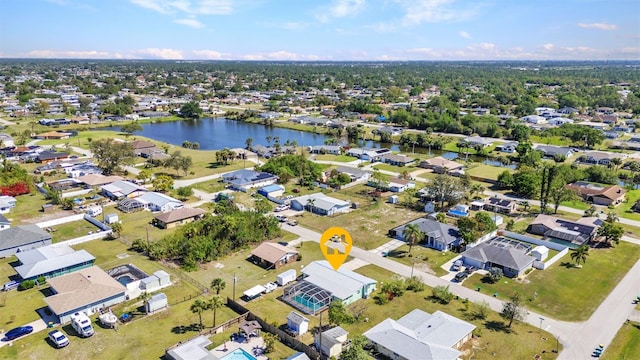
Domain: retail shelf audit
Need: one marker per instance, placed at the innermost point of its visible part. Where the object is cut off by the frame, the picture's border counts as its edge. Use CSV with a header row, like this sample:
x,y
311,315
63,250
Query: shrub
x,y
442,294
41,280
27,284
381,298
414,284
494,275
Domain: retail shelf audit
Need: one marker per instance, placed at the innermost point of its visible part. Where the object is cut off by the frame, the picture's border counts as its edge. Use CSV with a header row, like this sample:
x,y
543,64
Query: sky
x,y
310,30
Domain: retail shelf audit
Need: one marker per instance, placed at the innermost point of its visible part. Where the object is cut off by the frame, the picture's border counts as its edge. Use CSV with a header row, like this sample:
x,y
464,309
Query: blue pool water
x,y
124,280
457,213
238,354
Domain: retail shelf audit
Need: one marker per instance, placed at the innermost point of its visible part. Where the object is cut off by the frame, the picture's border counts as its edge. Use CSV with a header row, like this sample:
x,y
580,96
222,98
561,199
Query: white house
x,y
320,203
534,119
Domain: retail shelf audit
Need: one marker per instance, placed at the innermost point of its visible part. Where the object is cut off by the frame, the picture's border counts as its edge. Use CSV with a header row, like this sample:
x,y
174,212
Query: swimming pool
x,y
125,279
238,354
457,213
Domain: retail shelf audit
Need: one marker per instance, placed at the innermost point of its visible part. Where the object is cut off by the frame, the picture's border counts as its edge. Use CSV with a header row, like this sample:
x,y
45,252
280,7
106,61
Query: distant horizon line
x,y
323,61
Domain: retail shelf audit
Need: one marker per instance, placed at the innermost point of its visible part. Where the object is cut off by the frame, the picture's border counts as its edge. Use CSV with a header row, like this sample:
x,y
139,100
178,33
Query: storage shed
x,y
149,283
163,278
393,199
111,218
157,302
540,252
297,323
286,277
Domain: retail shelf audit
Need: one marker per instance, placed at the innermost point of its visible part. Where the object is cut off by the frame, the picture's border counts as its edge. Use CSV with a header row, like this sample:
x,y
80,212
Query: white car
x,y
269,287
59,339
282,208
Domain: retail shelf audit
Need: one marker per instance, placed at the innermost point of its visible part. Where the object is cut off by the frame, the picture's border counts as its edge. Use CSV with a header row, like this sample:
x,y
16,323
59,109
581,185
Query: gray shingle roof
x,y
432,228
22,235
507,257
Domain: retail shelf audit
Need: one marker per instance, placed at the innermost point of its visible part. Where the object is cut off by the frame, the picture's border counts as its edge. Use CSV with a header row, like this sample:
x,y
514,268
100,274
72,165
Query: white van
x,y
94,211
81,324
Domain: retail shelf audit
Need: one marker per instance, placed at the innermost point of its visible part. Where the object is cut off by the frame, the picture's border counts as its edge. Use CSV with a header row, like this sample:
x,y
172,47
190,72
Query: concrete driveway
x,y
38,326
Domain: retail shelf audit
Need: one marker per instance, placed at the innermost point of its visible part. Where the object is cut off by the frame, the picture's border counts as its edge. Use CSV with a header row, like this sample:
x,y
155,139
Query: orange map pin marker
x,y
335,244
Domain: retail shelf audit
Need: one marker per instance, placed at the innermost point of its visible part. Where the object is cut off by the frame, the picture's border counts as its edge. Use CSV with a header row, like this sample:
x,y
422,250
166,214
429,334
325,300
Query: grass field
x,y
28,207
72,230
624,209
562,291
424,258
487,171
395,169
368,225
17,307
626,344
576,204
338,158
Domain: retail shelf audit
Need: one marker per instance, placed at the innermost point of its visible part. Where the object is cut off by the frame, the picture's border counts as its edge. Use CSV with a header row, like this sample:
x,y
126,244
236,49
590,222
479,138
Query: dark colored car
x,y
17,332
461,276
283,243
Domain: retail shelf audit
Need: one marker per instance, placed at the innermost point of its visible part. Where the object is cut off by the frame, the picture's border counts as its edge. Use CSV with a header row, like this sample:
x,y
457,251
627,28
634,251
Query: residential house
x,y
343,284
22,238
194,349
559,121
610,134
244,153
534,119
271,191
273,256
419,335
436,235
509,147
269,115
568,111
611,195
478,141
297,323
6,141
576,233
171,219
49,156
143,147
481,111
55,135
4,223
98,180
391,130
330,342
51,261
511,257
7,203
503,206
320,204
355,174
397,159
600,157
593,125
122,189
550,151
87,290
368,154
152,201
400,185
441,165
244,179
325,149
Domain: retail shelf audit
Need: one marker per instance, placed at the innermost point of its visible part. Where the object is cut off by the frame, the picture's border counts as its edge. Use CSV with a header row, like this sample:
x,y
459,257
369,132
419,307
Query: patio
x,y
253,343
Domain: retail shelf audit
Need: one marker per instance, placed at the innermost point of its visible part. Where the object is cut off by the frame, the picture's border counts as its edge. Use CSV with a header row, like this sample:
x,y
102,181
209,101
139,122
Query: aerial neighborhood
x,y
175,210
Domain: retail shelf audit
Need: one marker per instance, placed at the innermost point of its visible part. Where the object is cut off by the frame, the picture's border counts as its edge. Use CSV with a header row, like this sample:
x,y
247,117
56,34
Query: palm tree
x,y
198,307
144,297
311,204
616,162
525,205
218,285
249,142
579,255
214,304
476,189
269,138
612,217
412,235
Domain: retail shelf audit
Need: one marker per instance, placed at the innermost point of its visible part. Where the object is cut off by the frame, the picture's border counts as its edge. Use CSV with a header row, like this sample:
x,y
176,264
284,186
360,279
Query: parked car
x,y
461,276
59,339
17,332
457,265
281,218
282,208
10,285
292,222
269,287
283,243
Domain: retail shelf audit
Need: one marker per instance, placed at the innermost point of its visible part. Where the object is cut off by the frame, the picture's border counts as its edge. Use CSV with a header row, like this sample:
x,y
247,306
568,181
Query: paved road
x,y
578,339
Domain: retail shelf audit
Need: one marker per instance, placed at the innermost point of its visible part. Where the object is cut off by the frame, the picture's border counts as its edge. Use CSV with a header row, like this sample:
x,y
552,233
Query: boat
x,y
108,319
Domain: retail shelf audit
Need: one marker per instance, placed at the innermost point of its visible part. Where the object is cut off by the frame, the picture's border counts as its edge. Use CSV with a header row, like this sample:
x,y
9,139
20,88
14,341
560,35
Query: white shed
x,y
297,323
286,277
111,218
540,252
149,283
157,302
163,278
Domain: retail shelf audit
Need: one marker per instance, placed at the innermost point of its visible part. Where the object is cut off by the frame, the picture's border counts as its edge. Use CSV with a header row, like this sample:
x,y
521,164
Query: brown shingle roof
x,y
81,288
179,214
272,252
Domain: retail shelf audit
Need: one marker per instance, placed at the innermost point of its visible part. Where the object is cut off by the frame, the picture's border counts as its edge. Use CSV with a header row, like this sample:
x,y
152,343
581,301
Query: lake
x,y
215,134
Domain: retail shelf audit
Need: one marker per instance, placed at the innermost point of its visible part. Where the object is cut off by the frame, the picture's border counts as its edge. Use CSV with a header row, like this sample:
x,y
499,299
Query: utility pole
x,y
147,228
320,338
235,280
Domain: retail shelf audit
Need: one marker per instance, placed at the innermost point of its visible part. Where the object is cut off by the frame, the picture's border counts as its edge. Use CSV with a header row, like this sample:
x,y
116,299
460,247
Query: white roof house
x,y
320,203
421,336
51,261
155,201
122,189
344,284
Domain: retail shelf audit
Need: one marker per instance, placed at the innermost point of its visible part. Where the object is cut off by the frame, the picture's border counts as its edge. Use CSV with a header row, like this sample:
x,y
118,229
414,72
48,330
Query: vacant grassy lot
x,y
367,225
562,291
72,230
624,209
424,258
576,204
626,344
487,171
28,206
17,307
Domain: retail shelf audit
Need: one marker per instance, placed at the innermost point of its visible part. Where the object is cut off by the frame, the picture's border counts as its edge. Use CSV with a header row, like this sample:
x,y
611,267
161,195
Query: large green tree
x,y
110,154
190,110
412,235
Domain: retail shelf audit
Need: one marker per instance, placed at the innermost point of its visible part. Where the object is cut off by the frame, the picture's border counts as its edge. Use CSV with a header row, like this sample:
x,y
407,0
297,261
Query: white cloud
x,y
279,55
190,7
341,8
464,34
57,54
599,26
190,22
157,53
482,46
208,54
432,11
548,46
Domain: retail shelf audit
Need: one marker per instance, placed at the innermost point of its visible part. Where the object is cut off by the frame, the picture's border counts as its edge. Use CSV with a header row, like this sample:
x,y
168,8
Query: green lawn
x,y
487,171
562,291
576,204
423,258
17,307
626,344
551,140
338,158
395,169
72,230
624,209
368,225
28,207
